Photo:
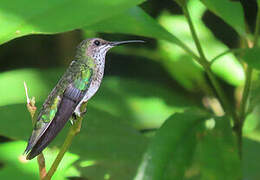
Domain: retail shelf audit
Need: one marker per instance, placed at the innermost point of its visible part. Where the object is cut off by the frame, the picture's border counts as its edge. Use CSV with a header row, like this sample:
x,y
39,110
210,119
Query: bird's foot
x,y
73,118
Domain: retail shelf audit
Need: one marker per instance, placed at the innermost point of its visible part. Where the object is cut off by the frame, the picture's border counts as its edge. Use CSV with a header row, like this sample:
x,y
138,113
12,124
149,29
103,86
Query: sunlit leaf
x,y
11,157
12,85
138,23
54,16
231,12
180,64
145,105
103,137
107,138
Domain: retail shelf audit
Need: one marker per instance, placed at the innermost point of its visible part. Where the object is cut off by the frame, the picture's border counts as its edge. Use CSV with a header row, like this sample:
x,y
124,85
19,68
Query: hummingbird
x,y
78,84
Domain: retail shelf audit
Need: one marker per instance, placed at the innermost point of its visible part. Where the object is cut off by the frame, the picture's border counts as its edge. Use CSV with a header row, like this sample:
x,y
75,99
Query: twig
x,y
206,65
41,163
249,72
30,103
238,50
32,109
74,130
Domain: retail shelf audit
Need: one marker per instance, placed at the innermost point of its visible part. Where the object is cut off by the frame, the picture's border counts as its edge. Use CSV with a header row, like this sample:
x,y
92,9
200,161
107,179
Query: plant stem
x,y
242,109
32,110
257,27
74,130
63,150
189,51
246,91
238,50
206,65
41,163
245,94
249,73
194,36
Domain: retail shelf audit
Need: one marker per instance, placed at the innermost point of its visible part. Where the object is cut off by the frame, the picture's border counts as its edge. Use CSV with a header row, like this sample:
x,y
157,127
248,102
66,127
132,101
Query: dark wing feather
x,y
69,102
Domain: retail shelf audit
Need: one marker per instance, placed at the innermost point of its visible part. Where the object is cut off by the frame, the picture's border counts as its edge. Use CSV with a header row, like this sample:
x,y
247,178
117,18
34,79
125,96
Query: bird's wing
x,y
53,120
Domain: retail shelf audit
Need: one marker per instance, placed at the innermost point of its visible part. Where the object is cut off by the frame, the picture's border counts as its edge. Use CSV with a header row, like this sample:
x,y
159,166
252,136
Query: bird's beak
x,y
117,43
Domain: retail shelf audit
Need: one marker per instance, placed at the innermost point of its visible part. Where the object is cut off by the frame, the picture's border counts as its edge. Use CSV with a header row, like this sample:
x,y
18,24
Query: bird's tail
x,y
65,111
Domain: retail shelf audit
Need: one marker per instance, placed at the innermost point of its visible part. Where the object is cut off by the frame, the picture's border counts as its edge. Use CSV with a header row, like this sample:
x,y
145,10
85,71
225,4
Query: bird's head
x,y
97,48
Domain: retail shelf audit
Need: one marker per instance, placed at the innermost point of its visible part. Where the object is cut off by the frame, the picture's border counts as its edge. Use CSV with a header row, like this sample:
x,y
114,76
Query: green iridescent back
x,y
79,75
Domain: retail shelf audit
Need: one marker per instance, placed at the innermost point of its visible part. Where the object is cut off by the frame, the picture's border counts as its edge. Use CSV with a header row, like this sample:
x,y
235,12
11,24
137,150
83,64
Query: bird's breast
x,y
93,87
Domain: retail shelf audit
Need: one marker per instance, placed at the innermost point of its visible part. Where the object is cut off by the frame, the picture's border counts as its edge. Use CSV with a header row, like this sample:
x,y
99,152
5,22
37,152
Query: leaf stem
x,y
32,110
202,59
188,50
245,94
246,91
238,50
74,130
206,65
41,163
249,72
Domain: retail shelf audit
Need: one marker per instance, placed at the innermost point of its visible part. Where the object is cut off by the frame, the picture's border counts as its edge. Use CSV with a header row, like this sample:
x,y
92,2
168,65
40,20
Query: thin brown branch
x,y
41,163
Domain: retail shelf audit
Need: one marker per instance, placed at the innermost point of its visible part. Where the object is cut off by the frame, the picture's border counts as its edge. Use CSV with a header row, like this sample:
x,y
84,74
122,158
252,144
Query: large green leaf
x,y
13,161
170,153
231,12
130,100
176,60
251,148
108,145
217,151
104,140
179,64
252,56
12,88
140,23
135,21
54,16
174,141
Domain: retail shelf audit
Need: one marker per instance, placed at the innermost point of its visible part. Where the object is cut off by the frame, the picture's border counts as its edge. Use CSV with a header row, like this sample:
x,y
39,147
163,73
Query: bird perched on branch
x,y
78,84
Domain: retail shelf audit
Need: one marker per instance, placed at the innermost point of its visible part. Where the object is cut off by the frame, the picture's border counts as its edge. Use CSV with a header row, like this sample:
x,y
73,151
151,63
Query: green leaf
x,y
251,56
179,64
138,23
12,88
231,12
254,101
54,16
251,148
181,2
127,99
108,145
175,138
217,151
251,122
13,161
105,141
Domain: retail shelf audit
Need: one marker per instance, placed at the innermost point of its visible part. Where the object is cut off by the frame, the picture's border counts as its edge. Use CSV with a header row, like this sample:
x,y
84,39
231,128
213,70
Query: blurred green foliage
x,y
48,17
153,116
175,57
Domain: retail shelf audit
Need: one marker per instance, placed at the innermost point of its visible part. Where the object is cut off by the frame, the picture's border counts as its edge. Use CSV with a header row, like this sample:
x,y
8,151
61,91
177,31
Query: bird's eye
x,y
97,43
